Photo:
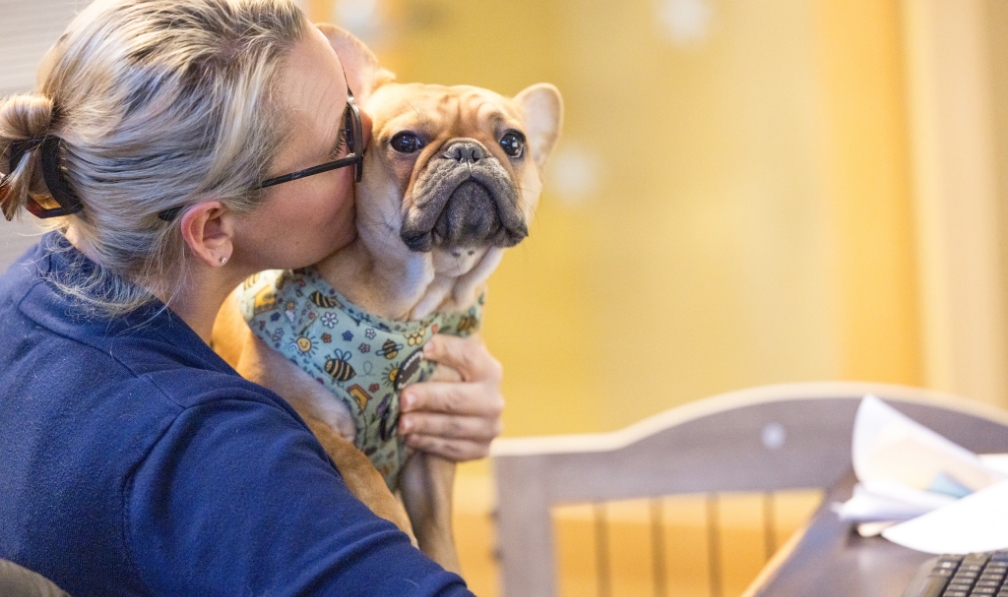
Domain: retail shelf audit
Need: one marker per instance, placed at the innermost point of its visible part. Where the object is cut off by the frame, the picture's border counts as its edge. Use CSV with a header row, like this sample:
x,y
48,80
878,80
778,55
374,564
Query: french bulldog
x,y
450,180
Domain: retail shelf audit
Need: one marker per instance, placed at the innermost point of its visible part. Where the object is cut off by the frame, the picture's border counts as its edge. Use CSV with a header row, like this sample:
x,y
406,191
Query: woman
x,y
134,460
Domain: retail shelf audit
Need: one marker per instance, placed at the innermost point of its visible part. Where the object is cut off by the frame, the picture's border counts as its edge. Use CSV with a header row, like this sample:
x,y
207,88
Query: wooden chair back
x,y
764,439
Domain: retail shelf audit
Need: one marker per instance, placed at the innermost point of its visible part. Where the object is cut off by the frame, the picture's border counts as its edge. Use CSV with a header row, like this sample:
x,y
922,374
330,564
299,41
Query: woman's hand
x,y
455,419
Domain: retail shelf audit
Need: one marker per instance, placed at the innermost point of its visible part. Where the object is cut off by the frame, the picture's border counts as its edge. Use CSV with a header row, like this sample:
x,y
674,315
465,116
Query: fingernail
x,y
406,424
429,349
408,400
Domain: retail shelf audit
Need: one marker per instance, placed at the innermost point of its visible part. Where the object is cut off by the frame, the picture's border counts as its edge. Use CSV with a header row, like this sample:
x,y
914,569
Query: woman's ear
x,y
359,62
208,229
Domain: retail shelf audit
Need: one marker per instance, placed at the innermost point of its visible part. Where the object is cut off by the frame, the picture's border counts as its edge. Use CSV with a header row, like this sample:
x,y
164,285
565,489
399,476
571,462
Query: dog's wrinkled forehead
x,y
442,112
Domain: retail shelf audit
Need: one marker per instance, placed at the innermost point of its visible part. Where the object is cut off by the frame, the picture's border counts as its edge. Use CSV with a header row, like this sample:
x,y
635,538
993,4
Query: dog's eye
x,y
406,143
513,144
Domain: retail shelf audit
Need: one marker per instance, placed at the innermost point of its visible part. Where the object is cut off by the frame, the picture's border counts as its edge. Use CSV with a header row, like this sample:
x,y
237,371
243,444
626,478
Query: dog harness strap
x,y
364,360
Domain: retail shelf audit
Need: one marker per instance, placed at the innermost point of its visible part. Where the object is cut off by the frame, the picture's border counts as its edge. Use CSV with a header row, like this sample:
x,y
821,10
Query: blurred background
x,y
746,192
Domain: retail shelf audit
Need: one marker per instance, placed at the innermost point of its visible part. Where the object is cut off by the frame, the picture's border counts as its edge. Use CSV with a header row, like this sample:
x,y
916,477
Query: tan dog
x,y
451,179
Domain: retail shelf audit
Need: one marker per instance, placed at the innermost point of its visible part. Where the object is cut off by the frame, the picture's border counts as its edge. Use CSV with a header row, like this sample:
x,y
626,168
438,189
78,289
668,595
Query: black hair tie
x,y
56,182
19,148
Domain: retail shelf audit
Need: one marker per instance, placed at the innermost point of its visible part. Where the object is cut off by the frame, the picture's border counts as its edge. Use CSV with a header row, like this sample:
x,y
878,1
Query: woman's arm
x,y
455,419
237,497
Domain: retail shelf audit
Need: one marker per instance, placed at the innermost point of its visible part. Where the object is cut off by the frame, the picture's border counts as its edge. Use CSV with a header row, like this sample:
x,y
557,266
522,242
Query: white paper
x,y
890,446
873,529
998,462
888,500
952,501
977,522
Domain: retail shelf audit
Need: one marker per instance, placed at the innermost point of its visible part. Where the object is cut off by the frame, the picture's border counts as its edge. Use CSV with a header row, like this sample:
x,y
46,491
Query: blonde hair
x,y
157,103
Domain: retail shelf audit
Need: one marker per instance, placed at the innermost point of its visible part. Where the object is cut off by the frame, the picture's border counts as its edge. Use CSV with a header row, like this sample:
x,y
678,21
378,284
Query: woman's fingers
x,y
455,450
468,356
450,426
455,419
454,398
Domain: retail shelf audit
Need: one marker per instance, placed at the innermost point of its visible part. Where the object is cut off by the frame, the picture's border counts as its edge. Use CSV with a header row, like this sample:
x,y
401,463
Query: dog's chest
x,y
364,360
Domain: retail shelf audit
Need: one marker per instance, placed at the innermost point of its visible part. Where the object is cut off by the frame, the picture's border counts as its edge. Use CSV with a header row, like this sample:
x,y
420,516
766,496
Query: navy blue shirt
x,y
134,461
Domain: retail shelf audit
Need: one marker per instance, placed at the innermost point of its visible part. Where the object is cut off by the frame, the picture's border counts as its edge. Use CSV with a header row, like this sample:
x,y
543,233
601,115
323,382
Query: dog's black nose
x,y
465,152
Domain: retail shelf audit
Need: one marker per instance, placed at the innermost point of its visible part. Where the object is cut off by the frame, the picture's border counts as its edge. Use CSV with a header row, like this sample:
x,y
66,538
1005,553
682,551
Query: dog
x,y
451,179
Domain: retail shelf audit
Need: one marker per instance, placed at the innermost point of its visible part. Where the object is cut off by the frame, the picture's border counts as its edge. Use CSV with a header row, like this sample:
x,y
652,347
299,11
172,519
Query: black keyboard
x,y
976,574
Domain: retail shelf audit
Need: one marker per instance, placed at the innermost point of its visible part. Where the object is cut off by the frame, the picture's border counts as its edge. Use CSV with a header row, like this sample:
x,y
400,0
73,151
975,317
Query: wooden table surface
x,y
831,560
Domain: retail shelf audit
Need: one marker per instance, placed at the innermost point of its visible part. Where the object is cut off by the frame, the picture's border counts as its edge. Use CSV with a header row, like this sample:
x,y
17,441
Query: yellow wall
x,y
865,150
751,220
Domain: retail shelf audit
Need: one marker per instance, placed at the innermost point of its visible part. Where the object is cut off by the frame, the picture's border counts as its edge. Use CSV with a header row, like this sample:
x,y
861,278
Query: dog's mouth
x,y
464,203
471,217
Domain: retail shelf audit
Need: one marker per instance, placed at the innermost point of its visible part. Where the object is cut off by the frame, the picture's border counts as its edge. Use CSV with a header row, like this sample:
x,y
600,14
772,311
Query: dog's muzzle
x,y
467,199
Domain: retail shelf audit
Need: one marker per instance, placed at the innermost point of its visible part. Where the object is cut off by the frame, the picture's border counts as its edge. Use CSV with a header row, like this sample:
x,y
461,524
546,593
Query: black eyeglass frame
x,y
356,157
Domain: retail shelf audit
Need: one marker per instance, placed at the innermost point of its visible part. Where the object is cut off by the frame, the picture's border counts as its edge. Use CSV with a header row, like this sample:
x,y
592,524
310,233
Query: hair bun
x,y
25,116
25,120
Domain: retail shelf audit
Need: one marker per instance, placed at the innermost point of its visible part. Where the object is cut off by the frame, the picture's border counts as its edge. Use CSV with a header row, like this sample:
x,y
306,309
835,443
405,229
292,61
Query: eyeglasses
x,y
353,133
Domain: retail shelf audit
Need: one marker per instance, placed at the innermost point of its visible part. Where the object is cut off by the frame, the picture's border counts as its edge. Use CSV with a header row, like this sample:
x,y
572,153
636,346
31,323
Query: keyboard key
x,y
972,575
932,588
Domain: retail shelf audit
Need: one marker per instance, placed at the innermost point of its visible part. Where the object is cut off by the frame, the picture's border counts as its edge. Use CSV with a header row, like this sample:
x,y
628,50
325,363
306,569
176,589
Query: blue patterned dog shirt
x,y
364,360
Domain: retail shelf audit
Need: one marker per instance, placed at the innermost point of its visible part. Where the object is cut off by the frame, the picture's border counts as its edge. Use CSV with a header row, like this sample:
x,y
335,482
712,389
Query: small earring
x,y
223,260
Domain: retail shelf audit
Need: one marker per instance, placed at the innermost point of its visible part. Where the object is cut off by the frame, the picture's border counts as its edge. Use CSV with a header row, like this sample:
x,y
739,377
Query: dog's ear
x,y
542,108
359,62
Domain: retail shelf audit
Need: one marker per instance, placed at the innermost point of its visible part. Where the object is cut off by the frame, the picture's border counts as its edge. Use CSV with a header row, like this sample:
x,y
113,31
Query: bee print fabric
x,y
364,360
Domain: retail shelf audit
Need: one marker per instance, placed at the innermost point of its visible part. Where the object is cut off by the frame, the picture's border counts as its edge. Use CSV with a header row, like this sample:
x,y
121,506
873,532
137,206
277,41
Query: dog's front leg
x,y
426,484
316,407
359,475
327,419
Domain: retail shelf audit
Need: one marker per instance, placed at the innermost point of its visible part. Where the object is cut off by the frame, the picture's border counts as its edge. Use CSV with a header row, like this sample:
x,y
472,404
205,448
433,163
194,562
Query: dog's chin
x,y
470,218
